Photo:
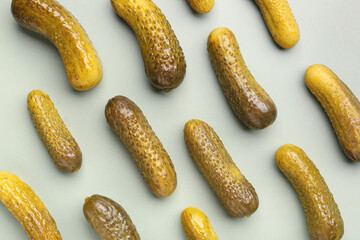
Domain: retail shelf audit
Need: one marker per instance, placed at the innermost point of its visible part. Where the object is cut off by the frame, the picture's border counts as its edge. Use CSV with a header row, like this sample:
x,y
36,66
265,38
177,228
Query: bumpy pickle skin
x,y
163,57
57,139
280,22
341,106
249,101
130,125
27,208
201,6
109,219
323,217
196,225
50,19
234,191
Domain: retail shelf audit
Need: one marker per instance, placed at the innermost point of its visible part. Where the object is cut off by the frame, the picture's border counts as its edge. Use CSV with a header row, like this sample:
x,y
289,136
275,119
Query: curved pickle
x,y
50,19
341,106
234,191
249,101
280,22
196,225
130,125
27,208
163,57
322,214
57,139
109,219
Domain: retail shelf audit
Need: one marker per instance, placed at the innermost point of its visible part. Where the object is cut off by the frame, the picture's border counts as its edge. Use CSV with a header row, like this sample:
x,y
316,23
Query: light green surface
x,y
330,34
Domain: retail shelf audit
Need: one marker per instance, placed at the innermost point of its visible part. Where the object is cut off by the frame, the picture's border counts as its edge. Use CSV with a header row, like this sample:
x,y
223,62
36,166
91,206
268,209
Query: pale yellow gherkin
x,y
196,225
201,6
27,208
341,106
280,22
323,217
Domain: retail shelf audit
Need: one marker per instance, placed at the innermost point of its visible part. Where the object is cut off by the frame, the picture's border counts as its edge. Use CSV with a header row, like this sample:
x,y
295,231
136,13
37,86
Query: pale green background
x,y
330,34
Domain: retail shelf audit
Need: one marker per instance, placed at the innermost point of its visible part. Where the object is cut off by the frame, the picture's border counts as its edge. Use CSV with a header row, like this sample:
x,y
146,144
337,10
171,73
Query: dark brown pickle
x,y
109,219
130,125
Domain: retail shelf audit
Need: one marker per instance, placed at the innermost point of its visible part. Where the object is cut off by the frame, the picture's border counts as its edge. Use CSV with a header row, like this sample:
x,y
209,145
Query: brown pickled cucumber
x,y
196,225
341,106
27,208
280,22
53,21
251,104
57,139
109,219
234,191
163,57
323,217
201,6
131,126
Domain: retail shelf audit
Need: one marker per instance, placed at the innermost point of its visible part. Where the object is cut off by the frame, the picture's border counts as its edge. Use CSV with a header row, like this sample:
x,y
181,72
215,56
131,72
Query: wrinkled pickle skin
x,y
27,208
323,217
249,101
50,19
130,125
196,225
57,139
201,6
280,22
341,106
163,57
231,187
109,219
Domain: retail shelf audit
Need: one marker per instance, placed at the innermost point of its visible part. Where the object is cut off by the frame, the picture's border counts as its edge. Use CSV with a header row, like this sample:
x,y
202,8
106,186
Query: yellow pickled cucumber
x,y
130,125
201,6
280,22
322,213
340,104
196,225
53,21
109,219
234,191
57,139
27,208
249,101
163,57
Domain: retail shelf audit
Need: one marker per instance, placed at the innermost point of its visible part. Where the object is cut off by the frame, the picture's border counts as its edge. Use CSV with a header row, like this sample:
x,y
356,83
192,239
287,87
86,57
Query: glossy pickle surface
x,y
280,21
57,139
52,20
340,104
130,125
27,208
163,57
201,6
249,101
109,219
196,225
323,218
234,191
